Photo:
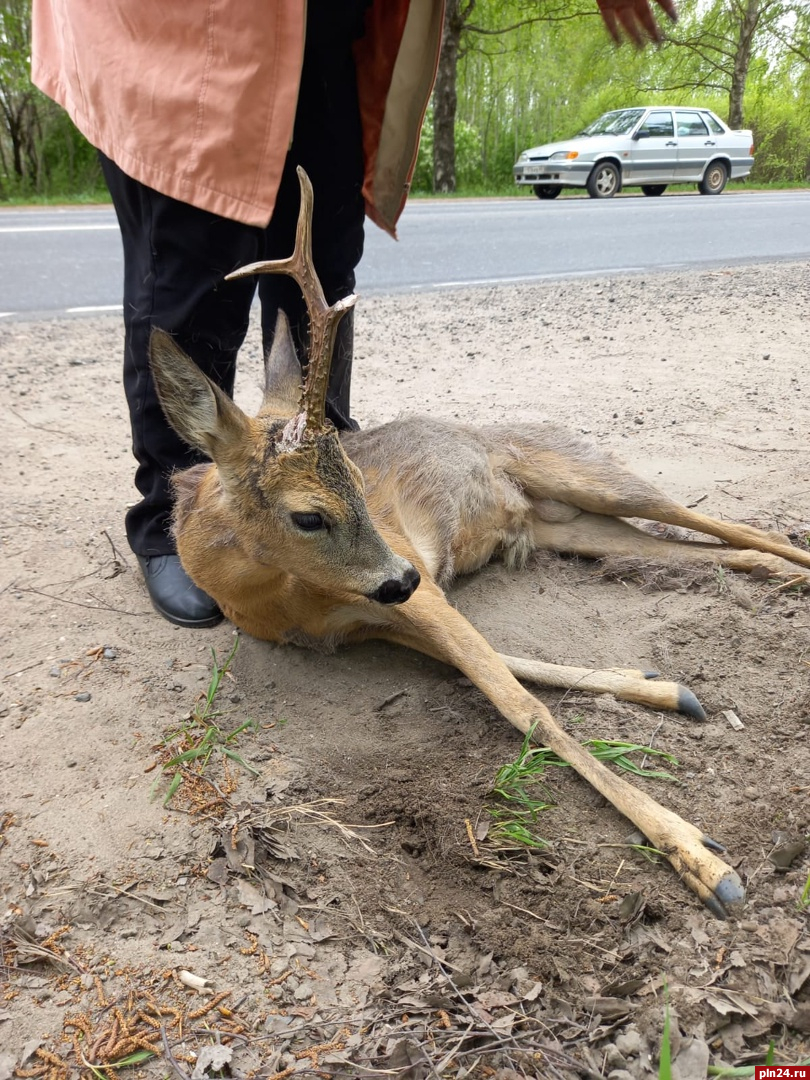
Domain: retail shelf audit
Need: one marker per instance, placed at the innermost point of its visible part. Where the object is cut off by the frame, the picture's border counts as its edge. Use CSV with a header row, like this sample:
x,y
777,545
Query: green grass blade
x,y
135,1058
239,760
248,725
665,1058
611,750
187,755
743,1072
177,780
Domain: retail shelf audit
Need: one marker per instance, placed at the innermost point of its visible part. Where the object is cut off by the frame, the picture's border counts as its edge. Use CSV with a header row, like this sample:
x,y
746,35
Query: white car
x,y
649,148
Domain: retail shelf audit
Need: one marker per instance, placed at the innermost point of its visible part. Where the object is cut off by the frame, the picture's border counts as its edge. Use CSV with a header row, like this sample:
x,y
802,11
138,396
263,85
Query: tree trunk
x,y
14,130
444,97
749,14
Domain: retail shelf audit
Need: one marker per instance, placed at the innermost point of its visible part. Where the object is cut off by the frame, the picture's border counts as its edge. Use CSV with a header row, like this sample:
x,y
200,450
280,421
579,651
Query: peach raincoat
x,y
197,99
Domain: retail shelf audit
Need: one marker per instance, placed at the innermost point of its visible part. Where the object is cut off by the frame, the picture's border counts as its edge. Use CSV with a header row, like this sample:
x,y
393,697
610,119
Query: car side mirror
x,y
641,135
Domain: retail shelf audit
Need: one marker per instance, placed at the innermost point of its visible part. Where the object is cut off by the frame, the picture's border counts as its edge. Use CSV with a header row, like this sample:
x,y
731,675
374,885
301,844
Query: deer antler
x,y
323,319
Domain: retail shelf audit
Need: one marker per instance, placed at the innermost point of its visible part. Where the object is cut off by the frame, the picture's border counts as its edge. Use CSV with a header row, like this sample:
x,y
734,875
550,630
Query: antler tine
x,y
323,319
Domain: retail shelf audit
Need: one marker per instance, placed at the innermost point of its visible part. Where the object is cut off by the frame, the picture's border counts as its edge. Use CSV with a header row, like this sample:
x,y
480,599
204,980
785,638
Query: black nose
x,y
397,590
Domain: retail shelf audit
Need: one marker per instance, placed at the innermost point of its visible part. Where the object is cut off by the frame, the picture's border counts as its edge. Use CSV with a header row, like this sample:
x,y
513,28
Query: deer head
x,y
281,496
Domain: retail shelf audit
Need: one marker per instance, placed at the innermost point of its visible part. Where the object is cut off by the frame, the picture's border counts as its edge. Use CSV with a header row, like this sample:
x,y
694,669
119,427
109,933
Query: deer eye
x,y
308,522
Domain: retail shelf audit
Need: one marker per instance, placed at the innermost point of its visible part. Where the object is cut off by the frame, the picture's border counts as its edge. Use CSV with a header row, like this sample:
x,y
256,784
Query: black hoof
x,y
712,845
729,894
689,705
716,908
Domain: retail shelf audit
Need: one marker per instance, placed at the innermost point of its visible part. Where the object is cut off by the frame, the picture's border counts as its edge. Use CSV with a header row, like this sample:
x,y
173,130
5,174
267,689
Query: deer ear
x,y
282,373
201,414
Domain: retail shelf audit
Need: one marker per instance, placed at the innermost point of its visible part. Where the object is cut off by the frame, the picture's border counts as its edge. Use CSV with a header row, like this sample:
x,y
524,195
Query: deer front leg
x,y
430,625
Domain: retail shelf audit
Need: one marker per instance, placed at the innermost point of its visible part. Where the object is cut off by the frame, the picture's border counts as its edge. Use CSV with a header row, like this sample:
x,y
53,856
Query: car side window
x,y
658,125
714,124
691,123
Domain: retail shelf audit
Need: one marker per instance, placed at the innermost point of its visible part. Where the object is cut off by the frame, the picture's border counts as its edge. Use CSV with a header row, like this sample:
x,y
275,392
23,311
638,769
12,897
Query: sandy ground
x,y
327,890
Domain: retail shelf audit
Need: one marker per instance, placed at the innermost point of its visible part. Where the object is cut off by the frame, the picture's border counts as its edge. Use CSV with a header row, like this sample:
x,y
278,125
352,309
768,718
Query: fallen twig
x,y
172,1060
78,603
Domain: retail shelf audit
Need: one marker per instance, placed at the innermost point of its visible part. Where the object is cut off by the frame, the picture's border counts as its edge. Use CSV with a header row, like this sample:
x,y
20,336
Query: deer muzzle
x,y
397,590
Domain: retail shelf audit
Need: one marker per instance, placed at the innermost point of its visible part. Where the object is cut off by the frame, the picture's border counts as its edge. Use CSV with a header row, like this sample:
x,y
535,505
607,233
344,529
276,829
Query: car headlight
x,y
523,157
564,154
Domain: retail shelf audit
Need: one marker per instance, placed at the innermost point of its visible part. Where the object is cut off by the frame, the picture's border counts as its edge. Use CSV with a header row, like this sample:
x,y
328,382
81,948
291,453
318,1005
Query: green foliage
x,y
67,163
519,796
468,157
41,153
190,748
746,1072
804,899
545,80
422,181
529,72
780,126
665,1053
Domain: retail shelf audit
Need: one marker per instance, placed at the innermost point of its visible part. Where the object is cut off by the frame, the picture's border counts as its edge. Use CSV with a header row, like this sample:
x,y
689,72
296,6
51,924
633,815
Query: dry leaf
x,y
496,999
691,1060
798,1019
251,897
214,1058
608,1007
799,974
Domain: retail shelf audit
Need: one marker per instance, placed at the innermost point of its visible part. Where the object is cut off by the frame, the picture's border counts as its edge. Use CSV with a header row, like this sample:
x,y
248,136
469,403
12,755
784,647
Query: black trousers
x,y
176,257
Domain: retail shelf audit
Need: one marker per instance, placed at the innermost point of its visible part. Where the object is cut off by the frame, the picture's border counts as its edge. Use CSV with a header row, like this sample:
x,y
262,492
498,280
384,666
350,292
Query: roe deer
x,y
303,536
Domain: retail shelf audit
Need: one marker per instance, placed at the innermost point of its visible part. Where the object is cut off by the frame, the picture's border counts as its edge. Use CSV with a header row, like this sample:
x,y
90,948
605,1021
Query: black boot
x,y
174,595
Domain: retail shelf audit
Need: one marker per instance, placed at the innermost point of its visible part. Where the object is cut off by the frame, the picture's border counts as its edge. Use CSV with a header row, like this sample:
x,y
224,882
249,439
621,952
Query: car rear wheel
x,y
546,191
604,181
653,189
714,179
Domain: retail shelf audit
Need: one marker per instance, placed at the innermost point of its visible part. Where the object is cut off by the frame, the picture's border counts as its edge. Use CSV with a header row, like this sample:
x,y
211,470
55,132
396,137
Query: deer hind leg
x,y
428,624
566,478
598,537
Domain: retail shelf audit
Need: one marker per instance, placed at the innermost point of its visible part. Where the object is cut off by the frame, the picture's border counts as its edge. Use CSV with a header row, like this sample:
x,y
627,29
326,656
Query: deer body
x,y
303,537
448,498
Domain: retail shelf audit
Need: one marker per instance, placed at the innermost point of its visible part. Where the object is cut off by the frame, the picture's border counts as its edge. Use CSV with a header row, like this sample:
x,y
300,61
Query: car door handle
x,y
709,142
671,143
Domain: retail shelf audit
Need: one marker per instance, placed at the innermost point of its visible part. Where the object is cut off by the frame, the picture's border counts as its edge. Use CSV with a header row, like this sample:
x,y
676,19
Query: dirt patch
x,y
333,894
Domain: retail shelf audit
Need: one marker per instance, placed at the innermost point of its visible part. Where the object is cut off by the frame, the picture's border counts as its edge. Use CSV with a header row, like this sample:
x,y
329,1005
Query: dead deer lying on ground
x,y
305,537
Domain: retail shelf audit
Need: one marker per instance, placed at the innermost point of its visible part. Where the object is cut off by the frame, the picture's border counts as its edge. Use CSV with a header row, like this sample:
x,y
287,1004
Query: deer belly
x,y
496,524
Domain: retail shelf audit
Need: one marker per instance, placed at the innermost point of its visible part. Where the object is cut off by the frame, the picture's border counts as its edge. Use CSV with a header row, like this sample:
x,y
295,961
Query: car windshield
x,y
614,123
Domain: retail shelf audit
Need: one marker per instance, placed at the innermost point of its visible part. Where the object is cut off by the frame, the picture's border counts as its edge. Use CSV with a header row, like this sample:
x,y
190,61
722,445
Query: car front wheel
x,y
546,191
653,189
603,183
714,179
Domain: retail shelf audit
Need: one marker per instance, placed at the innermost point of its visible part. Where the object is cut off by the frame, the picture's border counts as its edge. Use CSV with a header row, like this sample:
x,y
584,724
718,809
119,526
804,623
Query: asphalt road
x,y
56,261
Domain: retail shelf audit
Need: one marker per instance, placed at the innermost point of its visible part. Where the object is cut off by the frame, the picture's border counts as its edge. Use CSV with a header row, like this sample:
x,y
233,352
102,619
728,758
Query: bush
x,y
423,174
469,172
468,155
781,139
56,160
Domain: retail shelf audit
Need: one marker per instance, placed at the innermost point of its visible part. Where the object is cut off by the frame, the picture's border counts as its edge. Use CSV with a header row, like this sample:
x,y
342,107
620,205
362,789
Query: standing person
x,y
201,113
